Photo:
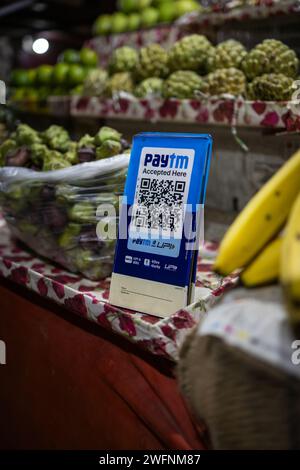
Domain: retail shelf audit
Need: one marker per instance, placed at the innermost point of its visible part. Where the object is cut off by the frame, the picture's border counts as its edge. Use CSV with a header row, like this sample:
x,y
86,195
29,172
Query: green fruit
x,y
270,56
32,76
167,12
185,6
133,22
77,91
149,87
83,212
88,57
109,148
76,75
118,23
60,72
44,92
20,78
153,62
227,54
271,87
95,83
44,74
69,237
127,6
107,133
70,56
121,81
231,81
182,84
149,17
102,25
18,94
123,59
190,53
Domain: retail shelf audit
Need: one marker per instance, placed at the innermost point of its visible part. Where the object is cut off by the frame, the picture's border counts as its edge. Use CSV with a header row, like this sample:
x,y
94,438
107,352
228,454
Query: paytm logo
x,y
167,161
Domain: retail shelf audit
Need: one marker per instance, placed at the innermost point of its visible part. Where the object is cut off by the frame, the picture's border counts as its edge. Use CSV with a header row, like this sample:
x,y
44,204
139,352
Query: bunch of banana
x,y
290,262
255,243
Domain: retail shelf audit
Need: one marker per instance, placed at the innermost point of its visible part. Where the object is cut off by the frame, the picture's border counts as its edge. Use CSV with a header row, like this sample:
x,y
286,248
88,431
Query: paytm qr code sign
x,y
155,264
160,198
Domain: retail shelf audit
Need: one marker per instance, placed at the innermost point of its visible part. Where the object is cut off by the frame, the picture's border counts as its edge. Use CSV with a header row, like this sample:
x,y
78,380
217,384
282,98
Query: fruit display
x,y
95,83
152,62
190,53
53,149
225,55
123,59
214,70
182,84
263,242
55,214
118,82
231,81
271,87
152,86
60,79
136,14
270,56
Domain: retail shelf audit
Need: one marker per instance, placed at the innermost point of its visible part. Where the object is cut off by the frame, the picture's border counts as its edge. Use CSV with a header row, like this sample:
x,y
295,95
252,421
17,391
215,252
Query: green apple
x,y
102,25
133,21
88,57
60,72
128,6
119,23
185,6
76,75
70,56
167,12
149,17
20,78
44,74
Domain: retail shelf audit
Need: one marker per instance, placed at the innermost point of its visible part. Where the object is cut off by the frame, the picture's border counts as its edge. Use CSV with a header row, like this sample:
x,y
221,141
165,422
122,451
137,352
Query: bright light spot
x,y
40,46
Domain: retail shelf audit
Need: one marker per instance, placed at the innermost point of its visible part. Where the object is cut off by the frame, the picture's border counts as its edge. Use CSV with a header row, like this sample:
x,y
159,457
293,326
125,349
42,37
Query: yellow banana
x,y
261,219
265,268
290,262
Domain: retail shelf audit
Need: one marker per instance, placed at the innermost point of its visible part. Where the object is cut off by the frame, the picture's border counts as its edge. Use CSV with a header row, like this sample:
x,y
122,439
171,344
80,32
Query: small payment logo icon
x,y
128,259
147,262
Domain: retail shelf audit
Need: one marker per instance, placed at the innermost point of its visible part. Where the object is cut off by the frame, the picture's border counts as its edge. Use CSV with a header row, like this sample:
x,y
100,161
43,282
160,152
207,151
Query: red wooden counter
x,y
83,374
68,384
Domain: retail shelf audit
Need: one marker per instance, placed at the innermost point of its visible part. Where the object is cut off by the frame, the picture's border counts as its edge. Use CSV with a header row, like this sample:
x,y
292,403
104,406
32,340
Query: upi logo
x,y
2,353
296,354
2,92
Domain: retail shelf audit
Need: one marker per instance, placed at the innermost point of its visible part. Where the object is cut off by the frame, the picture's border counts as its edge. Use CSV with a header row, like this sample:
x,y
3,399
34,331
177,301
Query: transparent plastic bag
x,y
55,212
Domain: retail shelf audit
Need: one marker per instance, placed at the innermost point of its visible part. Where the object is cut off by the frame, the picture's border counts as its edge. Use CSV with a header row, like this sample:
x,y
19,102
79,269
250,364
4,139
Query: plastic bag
x,y
55,212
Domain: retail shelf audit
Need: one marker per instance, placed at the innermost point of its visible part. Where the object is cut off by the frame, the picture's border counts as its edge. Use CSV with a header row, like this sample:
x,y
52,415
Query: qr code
x,y
159,204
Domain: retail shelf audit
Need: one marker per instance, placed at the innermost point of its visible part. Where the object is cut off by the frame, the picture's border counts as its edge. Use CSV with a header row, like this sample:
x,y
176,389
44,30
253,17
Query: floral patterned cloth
x,y
89,299
222,111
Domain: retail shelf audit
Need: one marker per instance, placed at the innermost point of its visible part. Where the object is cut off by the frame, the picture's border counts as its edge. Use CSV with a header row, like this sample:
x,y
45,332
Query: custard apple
x,y
227,54
182,84
123,59
149,87
271,87
121,81
95,83
231,81
153,62
190,53
271,56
